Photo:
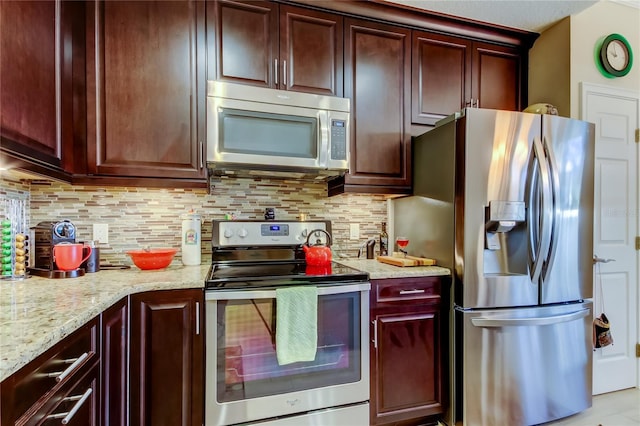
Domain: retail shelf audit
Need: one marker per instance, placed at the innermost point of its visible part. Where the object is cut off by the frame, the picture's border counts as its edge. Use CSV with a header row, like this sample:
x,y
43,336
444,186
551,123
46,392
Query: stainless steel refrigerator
x,y
505,199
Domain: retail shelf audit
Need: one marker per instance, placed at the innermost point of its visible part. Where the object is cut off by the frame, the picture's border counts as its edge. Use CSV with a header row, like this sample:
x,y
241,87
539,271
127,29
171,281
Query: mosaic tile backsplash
x,y
138,217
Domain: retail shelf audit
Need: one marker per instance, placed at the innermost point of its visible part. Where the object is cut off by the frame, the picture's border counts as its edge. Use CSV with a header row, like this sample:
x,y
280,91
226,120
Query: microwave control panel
x,y
338,140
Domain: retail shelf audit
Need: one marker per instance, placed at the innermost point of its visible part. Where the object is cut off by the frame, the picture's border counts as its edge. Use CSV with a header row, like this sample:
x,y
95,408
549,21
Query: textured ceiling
x,y
531,15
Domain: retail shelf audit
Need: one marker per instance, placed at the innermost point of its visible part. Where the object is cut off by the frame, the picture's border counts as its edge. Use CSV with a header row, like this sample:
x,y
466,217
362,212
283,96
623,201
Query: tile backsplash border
x,y
149,216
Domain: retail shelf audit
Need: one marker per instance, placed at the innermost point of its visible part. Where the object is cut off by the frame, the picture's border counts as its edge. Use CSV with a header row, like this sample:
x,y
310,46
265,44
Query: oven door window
x,y
247,366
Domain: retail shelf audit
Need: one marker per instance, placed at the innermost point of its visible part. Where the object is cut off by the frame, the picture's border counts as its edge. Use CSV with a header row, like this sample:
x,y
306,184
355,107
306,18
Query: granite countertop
x,y
36,313
378,270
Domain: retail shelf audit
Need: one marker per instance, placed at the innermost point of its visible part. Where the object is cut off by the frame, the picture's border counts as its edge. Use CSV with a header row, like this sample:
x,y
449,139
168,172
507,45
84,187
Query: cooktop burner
x,y
224,276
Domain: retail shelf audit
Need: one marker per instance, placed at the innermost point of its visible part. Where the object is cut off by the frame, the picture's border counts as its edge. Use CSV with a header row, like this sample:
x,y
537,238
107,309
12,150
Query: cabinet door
x,y
377,80
441,76
34,114
246,42
264,44
406,365
167,358
146,86
114,364
497,77
311,45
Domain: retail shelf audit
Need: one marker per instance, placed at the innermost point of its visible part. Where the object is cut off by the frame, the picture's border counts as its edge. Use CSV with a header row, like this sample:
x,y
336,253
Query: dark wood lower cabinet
x,y
115,348
45,391
408,351
79,405
167,358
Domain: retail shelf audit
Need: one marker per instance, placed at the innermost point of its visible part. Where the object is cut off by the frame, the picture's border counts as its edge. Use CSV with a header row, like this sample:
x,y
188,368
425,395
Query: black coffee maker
x,y
47,235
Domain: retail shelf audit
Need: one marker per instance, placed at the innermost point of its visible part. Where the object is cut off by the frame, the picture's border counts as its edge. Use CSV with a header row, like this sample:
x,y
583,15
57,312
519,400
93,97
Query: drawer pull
x,y
415,291
60,375
66,417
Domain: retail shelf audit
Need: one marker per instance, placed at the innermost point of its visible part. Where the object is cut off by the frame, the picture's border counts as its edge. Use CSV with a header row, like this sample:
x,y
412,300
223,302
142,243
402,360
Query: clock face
x,y
614,57
617,55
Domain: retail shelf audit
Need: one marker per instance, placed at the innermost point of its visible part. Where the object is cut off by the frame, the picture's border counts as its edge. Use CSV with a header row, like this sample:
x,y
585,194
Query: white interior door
x,y
615,113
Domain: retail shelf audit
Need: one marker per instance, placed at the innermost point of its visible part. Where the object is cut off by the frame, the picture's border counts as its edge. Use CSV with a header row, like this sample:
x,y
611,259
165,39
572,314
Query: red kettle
x,y
317,255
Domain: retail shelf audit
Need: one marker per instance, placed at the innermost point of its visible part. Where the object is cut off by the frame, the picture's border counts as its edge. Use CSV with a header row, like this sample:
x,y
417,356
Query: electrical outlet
x,y
101,233
354,231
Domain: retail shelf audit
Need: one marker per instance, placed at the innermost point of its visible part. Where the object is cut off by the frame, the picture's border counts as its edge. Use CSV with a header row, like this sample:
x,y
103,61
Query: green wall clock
x,y
613,56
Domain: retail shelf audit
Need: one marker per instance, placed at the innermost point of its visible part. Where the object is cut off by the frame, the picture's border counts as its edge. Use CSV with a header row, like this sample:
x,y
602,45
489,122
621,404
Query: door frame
x,y
585,89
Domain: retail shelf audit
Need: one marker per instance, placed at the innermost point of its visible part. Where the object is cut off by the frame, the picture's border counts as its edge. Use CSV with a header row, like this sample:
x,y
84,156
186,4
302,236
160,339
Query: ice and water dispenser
x,y
505,250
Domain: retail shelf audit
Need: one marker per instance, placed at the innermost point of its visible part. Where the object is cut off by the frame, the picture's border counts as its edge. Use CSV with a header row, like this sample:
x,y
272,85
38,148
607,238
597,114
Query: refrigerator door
x,y
495,159
567,272
523,366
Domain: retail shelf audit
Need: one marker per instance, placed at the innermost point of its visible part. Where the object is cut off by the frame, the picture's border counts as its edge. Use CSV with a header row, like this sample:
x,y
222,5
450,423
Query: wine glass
x,y
402,242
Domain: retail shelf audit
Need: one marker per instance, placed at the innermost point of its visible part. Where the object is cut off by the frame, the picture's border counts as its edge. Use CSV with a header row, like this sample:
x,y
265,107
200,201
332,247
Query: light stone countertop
x,y
36,313
378,270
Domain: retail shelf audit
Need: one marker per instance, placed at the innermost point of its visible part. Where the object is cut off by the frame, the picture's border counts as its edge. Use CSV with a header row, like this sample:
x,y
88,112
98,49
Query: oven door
x,y
244,381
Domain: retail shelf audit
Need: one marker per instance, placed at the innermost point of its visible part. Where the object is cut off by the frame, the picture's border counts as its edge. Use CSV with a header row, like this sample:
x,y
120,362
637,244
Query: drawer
x,y
407,291
76,402
46,374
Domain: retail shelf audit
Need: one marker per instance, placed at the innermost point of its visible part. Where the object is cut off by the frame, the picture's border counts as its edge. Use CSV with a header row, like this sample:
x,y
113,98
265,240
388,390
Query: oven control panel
x,y
264,233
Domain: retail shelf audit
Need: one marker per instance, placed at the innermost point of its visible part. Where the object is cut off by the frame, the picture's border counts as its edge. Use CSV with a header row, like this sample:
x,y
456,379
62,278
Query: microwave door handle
x,y
323,155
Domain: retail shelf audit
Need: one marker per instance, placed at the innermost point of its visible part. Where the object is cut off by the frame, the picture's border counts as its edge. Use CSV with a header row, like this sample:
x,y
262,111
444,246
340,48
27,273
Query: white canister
x,y
191,250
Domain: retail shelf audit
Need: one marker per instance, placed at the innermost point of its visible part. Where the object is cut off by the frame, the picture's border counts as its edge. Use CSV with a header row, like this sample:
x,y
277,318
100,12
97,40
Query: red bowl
x,y
155,258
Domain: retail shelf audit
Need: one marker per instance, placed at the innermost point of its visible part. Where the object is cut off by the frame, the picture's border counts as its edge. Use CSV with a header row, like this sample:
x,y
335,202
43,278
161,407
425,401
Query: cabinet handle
x,y
374,324
284,74
60,375
414,291
69,414
201,154
473,103
276,70
197,318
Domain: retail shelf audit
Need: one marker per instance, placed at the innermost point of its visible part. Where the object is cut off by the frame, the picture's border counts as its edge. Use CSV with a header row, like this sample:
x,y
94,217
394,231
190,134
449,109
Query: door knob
x,y
597,259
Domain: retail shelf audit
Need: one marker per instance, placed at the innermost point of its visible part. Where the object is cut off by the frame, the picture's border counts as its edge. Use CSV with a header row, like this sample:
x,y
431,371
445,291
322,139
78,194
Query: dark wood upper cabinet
x,y
167,358
146,89
311,46
37,60
378,82
498,77
279,46
441,76
450,73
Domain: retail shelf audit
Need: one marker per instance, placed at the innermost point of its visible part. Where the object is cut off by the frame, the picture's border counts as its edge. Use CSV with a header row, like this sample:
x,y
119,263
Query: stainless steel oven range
x,y
246,382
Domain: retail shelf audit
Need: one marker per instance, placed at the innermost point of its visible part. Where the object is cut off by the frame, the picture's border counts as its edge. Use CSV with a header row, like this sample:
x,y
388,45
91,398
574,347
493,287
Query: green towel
x,y
296,324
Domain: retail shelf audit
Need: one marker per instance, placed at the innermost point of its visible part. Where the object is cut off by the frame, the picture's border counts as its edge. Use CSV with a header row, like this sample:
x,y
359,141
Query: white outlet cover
x,y
354,231
101,233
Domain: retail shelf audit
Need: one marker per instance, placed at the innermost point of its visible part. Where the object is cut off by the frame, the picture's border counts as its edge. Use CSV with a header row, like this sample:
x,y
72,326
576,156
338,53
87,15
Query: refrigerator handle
x,y
546,212
554,190
529,322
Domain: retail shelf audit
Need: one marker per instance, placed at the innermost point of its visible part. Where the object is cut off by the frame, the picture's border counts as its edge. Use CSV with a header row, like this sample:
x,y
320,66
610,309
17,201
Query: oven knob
x,y
242,233
228,233
303,236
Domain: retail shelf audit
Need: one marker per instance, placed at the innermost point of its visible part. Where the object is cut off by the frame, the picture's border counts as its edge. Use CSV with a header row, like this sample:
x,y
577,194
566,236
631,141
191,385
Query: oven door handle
x,y
271,294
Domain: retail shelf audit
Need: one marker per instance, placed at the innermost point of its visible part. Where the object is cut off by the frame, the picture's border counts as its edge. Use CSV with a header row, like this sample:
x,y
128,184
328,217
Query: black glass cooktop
x,y
238,276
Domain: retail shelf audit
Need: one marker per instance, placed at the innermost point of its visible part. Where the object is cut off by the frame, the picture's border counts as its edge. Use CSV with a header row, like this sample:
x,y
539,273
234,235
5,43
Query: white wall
x,y
601,19
564,55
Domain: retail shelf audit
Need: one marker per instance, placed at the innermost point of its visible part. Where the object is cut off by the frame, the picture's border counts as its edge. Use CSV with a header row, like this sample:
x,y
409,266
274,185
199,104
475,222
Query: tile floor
x,y
621,408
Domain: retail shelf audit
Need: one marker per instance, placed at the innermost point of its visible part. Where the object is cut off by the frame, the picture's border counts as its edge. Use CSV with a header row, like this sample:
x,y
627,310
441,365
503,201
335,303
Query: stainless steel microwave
x,y
256,128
